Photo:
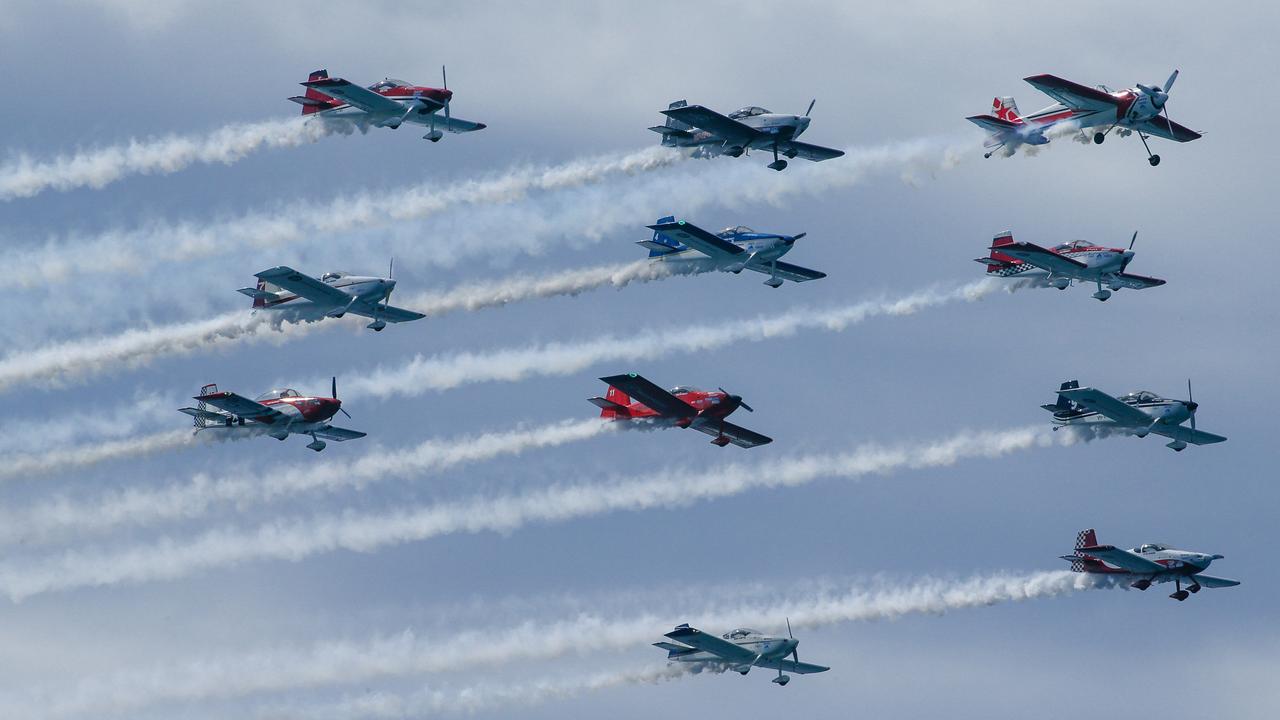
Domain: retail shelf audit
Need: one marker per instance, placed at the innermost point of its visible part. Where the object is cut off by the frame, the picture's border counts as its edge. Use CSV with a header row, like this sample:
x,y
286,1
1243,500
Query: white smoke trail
x,y
25,177
57,459
63,363
301,538
139,507
141,250
446,372
142,413
479,697
408,653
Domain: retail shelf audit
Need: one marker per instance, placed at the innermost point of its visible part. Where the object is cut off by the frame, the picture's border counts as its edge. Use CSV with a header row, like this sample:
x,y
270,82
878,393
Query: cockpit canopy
x,y
735,230
277,394
387,84
1073,245
1151,547
741,634
1141,396
331,276
749,111
682,389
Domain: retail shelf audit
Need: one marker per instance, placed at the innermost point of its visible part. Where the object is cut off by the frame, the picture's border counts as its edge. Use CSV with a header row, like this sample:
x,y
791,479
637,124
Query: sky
x,y
490,551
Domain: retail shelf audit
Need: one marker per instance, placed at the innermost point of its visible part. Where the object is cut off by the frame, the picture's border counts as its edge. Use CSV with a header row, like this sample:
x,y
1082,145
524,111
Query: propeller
x,y
811,102
1133,239
741,402
333,389
445,77
797,237
1160,96
795,649
1191,405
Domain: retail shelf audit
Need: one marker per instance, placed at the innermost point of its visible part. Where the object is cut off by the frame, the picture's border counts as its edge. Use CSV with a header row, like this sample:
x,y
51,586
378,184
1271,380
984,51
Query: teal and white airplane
x,y
691,249
739,650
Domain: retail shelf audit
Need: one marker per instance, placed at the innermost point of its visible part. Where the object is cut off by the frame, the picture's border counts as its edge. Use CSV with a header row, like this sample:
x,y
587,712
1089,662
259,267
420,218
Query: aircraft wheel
x,y
1180,595
1098,138
1154,160
986,155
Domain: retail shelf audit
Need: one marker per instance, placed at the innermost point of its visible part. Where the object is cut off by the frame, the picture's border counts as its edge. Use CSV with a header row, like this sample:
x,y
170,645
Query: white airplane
x,y
1076,261
1142,109
740,650
1147,564
1138,413
708,133
302,297
278,412
733,249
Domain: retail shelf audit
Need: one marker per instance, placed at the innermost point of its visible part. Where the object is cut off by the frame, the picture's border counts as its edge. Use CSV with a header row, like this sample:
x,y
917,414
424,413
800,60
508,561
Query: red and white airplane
x,y
387,103
1147,564
277,414
1059,266
1079,107
684,407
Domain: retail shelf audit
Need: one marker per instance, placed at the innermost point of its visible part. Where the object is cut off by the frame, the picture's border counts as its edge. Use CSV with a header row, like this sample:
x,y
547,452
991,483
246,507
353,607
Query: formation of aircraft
x,y
387,103
277,413
304,298
707,133
1138,413
684,407
1146,564
733,249
1142,109
739,650
1059,266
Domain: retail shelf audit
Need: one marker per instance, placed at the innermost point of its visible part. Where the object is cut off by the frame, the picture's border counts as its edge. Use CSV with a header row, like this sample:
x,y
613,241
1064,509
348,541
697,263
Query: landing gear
x,y
782,680
1194,587
774,281
316,443
1141,584
377,325
986,155
1180,594
720,441
1098,138
1101,295
433,136
777,164
1151,157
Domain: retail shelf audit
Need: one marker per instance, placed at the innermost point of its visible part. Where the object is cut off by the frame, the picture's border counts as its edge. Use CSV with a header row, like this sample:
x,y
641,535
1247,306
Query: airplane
x,y
1146,564
302,297
1142,109
684,407
740,650
386,103
733,249
278,412
1077,261
709,133
1138,413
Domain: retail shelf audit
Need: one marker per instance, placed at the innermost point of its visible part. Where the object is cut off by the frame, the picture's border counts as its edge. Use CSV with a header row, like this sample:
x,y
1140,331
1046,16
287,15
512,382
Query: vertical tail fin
x,y
200,420
313,101
1064,404
619,399
1006,109
1080,562
997,260
260,301
660,244
670,140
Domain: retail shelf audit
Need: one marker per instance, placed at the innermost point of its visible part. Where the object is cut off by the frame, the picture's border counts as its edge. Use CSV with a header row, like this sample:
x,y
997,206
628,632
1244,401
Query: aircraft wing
x,y
698,239
1042,258
1210,581
712,121
816,153
390,313
338,434
1100,402
653,397
739,436
1187,435
719,647
1123,559
305,286
1136,282
787,271
791,666
457,125
1161,126
1074,95
360,97
241,406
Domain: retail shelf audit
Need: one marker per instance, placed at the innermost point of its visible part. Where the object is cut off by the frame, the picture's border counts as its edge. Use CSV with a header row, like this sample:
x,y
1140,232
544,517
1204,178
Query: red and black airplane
x,y
682,406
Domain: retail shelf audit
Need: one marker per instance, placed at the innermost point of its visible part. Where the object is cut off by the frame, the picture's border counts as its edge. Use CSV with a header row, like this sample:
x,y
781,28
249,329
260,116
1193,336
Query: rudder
x,y
1006,109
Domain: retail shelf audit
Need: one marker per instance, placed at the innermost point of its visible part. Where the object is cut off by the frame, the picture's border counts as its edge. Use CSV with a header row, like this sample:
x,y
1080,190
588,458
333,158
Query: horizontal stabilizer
x,y
658,248
257,294
670,131
993,261
605,404
1051,408
203,414
309,102
674,650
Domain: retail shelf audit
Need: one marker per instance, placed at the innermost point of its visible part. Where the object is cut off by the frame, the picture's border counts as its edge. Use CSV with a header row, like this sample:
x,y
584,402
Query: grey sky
x,y
557,82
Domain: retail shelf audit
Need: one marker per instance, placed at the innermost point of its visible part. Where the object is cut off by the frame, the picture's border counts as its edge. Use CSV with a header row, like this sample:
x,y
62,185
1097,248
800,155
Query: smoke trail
x,y
142,413
478,698
63,363
408,653
138,251
25,177
302,538
60,459
442,373
135,506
